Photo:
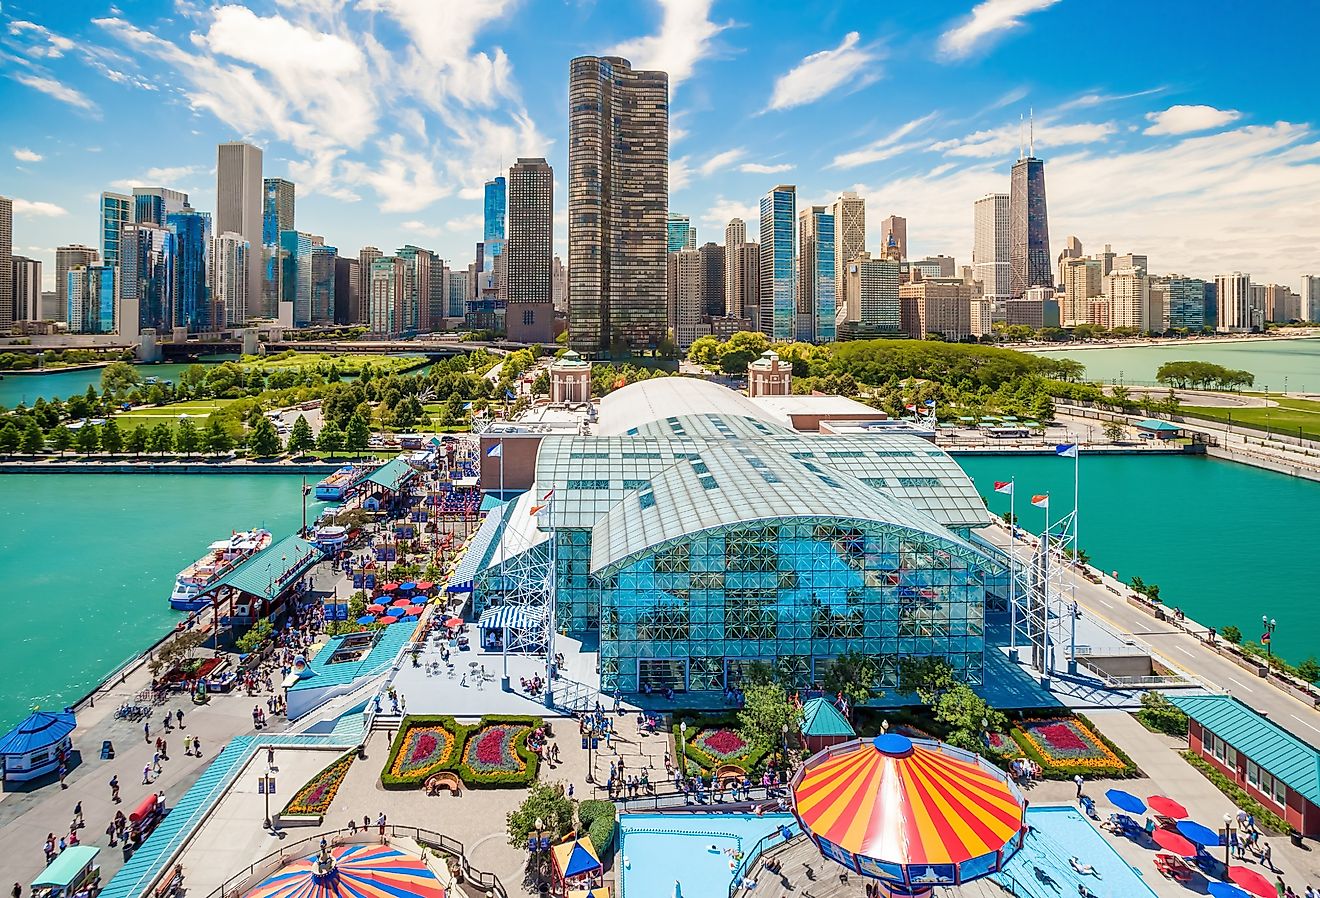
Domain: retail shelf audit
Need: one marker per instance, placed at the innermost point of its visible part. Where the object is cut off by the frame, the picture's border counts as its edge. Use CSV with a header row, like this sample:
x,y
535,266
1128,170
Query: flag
x,y
911,408
540,506
496,451
1265,638
1067,450
1004,486
930,403
1041,501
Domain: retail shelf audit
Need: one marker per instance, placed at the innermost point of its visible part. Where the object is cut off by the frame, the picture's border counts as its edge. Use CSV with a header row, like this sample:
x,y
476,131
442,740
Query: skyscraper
x,y
529,253
679,233
1310,294
735,233
870,297
146,279
895,226
116,211
712,280
27,289
192,250
230,256
239,202
295,279
348,281
742,264
6,263
152,205
683,282
618,198
1234,294
366,256
1029,229
1072,249
68,257
816,275
495,206
416,309
990,246
778,310
91,292
1082,281
323,282
277,208
559,285
849,236
1128,292
388,296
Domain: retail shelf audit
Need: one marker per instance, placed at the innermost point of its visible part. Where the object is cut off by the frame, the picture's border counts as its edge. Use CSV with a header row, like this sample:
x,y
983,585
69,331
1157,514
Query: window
x,y
918,481
588,484
1253,772
646,500
529,317
635,484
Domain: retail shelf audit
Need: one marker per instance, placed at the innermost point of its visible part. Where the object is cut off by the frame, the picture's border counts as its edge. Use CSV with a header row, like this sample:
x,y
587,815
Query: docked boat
x,y
221,557
336,487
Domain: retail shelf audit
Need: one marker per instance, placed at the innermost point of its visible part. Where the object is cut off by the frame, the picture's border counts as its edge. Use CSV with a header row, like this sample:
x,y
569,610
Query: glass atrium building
x,y
694,535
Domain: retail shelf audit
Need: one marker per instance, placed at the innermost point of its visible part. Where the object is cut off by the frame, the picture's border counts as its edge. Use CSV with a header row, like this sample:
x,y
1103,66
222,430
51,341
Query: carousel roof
x,y
361,871
41,729
907,803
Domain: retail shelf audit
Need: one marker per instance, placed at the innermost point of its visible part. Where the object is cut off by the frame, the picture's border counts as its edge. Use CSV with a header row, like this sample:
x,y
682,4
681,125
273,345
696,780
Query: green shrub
x,y
1055,770
1161,715
598,818
1267,820
748,760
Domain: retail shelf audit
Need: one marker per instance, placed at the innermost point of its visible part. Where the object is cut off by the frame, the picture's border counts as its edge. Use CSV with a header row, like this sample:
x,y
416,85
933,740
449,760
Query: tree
x,y
187,439
546,802
255,637
966,717
263,441
112,438
216,437
331,439
1114,431
408,411
1309,670
1231,635
358,434
135,441
852,673
300,438
33,441
119,377
61,438
766,711
10,438
929,676
88,438
161,439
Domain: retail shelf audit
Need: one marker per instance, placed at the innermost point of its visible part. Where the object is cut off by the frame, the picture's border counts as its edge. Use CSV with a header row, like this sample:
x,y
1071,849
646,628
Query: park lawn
x,y
347,364
1289,417
199,410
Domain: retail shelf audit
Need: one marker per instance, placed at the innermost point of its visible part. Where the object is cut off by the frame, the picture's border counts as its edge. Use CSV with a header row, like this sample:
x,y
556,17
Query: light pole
x,y
1269,624
784,730
682,747
266,786
1228,833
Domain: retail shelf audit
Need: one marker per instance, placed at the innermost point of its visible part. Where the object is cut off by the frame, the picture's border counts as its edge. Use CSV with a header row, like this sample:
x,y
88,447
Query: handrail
x,y
757,851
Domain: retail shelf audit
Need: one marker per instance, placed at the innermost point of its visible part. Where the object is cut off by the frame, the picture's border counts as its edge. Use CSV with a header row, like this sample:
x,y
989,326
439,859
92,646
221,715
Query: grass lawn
x,y
199,410
347,364
1287,418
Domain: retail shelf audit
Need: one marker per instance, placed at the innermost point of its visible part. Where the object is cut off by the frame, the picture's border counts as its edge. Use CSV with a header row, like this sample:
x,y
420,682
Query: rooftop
x,y
393,474
322,673
266,573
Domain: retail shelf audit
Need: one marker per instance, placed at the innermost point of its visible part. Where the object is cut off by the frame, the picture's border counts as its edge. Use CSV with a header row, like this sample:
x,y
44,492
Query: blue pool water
x,y
1041,868
656,849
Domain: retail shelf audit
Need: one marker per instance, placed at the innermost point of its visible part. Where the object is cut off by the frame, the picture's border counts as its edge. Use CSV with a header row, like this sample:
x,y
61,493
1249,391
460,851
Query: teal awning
x,y
1152,424
821,718
65,869
267,573
393,475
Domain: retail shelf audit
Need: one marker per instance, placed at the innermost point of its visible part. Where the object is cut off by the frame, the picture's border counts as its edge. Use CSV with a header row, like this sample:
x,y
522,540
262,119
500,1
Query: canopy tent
x,y
513,617
870,804
574,859
824,725
66,870
34,747
360,871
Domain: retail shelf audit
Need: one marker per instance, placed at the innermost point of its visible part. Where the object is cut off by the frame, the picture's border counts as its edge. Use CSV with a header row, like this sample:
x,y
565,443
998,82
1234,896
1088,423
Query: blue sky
x,y
1182,130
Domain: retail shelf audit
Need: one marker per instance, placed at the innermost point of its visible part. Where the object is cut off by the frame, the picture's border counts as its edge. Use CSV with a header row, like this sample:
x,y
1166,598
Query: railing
x,y
572,695
756,852
425,838
1147,682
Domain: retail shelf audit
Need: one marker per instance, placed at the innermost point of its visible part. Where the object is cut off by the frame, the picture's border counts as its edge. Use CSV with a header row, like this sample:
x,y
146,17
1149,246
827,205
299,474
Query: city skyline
x,y
1174,145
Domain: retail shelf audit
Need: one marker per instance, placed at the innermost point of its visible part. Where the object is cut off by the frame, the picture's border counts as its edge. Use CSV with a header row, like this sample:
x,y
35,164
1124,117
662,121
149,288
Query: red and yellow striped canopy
x,y
361,871
907,803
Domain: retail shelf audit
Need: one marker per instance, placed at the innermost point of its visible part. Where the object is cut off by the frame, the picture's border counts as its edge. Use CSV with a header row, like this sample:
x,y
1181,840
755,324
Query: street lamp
x,y
682,747
1269,624
1227,836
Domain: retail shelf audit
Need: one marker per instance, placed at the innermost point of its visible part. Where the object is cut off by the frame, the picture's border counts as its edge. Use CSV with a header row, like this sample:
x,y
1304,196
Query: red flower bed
x,y
723,743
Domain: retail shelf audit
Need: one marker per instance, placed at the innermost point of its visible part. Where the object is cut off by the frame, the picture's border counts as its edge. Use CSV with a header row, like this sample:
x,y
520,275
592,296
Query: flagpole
x,y
1012,567
506,683
550,610
1047,661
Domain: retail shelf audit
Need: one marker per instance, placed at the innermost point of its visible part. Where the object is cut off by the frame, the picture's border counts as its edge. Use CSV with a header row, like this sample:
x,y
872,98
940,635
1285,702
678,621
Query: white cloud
x,y
166,176
420,227
680,173
22,154
884,148
471,223
987,21
38,208
720,210
722,160
757,168
684,39
822,73
1005,140
60,91
45,43
1186,119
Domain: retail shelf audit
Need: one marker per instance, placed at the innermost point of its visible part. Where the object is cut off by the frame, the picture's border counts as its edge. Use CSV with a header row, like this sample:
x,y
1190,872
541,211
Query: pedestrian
x,y
197,747
380,824
78,814
146,775
114,788
187,746
63,772
1077,781
352,826
570,791
63,845
168,723
270,756
164,750
16,891
155,763
366,823
1266,855
178,715
146,731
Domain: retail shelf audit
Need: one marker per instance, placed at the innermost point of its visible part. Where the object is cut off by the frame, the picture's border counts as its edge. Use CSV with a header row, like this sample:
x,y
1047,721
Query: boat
x,y
221,557
336,487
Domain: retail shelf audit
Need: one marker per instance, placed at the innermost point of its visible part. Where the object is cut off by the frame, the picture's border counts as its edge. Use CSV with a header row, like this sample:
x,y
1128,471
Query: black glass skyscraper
x,y
1029,229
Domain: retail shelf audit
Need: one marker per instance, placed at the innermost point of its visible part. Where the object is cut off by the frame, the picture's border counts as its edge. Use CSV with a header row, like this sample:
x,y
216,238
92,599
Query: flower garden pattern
x,y
722,744
423,746
1069,742
314,798
496,753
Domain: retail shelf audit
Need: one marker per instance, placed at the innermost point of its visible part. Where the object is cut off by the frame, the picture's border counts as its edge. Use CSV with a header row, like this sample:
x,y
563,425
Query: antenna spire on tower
x,y
1020,144
1031,147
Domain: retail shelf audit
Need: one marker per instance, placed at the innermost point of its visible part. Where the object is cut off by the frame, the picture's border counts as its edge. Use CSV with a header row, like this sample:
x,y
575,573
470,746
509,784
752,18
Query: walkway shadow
x,y
50,779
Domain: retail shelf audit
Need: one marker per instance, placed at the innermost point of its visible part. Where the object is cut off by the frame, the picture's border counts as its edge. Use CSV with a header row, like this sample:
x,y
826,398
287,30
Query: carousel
x,y
912,813
352,871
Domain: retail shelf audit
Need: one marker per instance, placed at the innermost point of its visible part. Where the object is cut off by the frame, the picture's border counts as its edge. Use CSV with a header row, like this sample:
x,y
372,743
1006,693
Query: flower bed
x,y
722,744
423,746
496,752
313,799
1065,746
1002,744
713,740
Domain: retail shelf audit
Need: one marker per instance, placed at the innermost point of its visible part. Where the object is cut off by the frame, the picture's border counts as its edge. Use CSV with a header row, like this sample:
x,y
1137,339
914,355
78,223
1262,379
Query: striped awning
x,y
514,617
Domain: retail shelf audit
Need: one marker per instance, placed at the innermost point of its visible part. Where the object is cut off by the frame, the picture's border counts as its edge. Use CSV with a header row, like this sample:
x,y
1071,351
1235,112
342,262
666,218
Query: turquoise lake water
x,y
87,562
1225,542
28,388
1270,360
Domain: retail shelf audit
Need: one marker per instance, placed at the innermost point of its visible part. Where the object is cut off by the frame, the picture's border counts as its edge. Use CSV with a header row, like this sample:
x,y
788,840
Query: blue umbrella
x,y
1201,835
394,611
1226,890
408,618
367,619
408,587
1126,801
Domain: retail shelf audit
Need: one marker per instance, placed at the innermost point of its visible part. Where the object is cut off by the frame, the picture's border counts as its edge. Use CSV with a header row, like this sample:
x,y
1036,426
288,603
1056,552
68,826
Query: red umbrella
x,y
1172,841
424,585
399,603
1252,881
1166,806
375,608
390,587
454,622
414,609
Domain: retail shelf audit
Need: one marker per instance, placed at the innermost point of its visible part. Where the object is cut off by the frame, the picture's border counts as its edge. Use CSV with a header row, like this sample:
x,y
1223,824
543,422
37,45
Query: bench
x,y
445,779
171,884
729,773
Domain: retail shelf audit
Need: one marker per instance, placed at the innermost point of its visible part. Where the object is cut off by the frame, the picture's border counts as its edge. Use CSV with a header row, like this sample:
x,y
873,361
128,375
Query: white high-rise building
x,y
1128,293
230,257
990,246
1233,292
849,236
1310,294
240,201
685,305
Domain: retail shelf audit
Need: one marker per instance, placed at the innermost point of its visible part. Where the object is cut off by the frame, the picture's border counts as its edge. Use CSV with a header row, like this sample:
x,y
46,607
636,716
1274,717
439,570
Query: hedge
x,y
415,781
1163,722
1265,818
1054,770
708,763
502,778
598,819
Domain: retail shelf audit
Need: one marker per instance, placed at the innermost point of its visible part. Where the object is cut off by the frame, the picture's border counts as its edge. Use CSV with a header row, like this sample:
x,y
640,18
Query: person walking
x,y
78,814
380,824
110,831
146,775
114,788
197,747
178,715
1077,781
16,891
1266,856
146,731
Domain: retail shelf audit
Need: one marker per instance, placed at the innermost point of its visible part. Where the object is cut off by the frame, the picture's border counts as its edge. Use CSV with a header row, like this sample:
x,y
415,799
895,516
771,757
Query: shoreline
x,y
39,372
1311,334
165,467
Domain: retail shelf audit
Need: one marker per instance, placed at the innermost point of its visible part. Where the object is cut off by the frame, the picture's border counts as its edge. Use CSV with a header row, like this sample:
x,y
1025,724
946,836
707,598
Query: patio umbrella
x,y
414,610
396,611
1201,835
408,587
1252,881
1166,806
367,619
1226,890
1126,801
424,585
375,607
1171,841
390,587
399,603
454,622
